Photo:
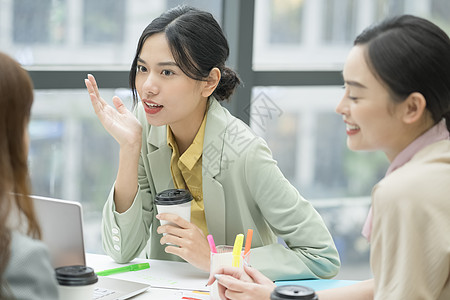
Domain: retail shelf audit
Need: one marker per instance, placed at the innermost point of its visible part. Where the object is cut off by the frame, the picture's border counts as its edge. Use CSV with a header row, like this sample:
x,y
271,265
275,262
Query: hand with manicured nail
x,y
238,284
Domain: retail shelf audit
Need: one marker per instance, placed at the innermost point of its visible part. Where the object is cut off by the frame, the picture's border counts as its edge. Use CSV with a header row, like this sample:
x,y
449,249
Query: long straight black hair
x,y
410,54
197,44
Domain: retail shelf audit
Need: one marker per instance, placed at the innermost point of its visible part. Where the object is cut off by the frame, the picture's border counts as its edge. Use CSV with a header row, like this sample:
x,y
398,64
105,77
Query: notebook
x,y
61,224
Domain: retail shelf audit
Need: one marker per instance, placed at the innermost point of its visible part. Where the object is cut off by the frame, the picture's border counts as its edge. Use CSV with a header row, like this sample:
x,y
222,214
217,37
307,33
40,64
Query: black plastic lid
x,y
293,292
173,197
75,275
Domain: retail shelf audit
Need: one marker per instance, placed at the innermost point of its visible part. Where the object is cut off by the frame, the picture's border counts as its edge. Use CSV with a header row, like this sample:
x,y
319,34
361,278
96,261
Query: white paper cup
x,y
174,201
76,292
76,282
223,258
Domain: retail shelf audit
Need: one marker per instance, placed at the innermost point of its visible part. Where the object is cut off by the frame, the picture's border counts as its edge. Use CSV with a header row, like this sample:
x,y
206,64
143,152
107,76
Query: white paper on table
x,y
162,273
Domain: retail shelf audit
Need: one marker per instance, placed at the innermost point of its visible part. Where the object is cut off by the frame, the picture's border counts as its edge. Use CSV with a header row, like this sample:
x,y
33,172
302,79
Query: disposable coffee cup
x,y
174,201
76,282
294,292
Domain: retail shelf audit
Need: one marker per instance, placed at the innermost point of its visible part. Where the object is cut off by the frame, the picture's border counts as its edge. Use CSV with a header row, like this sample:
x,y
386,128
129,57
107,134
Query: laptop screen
x,y
62,230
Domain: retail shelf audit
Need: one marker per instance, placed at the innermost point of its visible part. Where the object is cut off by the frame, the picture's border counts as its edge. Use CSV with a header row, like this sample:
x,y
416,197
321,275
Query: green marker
x,y
135,267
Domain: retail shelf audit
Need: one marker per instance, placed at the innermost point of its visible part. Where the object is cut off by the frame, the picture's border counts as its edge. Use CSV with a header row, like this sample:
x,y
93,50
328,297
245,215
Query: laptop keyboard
x,y
101,292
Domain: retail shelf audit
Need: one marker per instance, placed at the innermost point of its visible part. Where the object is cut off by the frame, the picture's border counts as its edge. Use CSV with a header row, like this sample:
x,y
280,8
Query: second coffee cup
x,y
174,201
293,292
76,282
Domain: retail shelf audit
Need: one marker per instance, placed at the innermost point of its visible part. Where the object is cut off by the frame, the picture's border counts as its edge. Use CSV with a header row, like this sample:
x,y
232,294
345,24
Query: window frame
x,y
238,24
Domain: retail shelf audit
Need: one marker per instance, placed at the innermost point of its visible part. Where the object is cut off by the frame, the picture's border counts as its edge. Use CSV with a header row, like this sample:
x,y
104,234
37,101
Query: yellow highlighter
x,y
237,249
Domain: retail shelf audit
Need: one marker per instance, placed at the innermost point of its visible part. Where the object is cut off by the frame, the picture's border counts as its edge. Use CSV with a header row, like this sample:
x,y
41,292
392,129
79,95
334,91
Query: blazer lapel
x,y
159,159
214,201
213,193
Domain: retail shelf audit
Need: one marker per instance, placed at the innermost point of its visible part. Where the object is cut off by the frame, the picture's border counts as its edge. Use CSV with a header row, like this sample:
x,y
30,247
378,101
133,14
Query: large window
x,y
71,155
90,33
317,34
308,141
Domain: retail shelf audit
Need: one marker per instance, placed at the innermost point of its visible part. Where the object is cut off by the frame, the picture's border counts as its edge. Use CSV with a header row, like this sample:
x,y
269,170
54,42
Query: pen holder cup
x,y
224,258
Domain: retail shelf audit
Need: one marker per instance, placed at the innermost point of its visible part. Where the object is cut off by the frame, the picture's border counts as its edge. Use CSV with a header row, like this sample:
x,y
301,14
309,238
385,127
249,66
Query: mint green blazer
x,y
242,188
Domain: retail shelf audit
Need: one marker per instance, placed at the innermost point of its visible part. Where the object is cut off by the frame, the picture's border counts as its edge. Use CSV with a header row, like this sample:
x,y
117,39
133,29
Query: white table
x,y
168,280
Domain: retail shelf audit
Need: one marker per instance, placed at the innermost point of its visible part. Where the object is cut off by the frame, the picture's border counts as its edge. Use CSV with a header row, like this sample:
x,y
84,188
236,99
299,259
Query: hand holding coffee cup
x,y
174,201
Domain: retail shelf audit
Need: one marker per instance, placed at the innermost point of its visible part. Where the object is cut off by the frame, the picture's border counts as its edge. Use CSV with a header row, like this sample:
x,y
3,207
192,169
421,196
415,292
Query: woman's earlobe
x,y
415,107
211,82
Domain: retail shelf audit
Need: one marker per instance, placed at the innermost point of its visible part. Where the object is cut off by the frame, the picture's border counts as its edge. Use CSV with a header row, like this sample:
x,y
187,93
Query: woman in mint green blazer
x,y
179,74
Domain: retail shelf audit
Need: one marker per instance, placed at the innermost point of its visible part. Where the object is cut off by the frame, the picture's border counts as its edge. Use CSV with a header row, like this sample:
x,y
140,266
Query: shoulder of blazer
x,y
220,123
226,139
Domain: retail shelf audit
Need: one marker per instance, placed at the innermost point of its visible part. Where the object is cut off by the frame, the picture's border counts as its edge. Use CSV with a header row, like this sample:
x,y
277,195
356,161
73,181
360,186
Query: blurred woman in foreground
x,y
25,270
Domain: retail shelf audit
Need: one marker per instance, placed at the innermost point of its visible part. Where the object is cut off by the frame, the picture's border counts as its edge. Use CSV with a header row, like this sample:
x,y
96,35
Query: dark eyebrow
x,y
168,63
355,84
164,63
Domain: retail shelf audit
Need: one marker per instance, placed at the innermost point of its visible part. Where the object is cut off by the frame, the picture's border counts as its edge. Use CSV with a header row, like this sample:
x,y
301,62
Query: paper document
x,y
161,274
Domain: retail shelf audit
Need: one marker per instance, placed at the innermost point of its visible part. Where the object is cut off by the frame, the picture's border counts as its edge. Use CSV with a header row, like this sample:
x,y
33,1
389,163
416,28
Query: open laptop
x,y
62,231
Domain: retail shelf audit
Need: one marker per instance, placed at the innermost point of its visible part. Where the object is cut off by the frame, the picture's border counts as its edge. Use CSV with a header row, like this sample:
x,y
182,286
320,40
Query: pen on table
x,y
237,249
212,245
135,267
248,241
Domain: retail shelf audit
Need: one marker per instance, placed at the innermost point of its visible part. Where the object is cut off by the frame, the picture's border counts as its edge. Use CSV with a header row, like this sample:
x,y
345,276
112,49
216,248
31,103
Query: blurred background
x,y
289,53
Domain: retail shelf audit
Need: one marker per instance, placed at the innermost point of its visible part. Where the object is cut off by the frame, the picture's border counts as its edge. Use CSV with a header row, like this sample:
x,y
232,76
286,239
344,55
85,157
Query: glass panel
x,y
81,32
71,156
386,8
340,21
99,28
38,21
285,22
317,34
308,140
440,10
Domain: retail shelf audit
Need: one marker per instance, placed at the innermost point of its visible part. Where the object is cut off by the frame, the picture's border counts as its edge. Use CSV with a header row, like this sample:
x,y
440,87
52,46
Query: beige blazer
x,y
242,188
410,241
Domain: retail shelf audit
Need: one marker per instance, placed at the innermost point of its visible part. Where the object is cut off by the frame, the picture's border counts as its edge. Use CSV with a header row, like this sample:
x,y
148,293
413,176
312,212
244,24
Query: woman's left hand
x,y
192,244
242,284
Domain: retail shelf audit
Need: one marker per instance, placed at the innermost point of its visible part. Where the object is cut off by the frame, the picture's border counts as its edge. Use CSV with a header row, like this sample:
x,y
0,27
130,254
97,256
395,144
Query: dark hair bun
x,y
228,82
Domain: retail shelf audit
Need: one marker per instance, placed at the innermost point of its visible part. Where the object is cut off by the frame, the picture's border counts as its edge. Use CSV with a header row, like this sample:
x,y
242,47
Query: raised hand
x,y
119,122
192,244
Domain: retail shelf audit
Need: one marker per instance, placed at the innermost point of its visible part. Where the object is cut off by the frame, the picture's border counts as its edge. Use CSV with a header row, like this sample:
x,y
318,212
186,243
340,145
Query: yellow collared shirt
x,y
187,173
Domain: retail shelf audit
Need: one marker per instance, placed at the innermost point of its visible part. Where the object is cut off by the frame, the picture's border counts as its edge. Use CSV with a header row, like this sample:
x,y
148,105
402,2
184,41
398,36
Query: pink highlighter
x,y
212,245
